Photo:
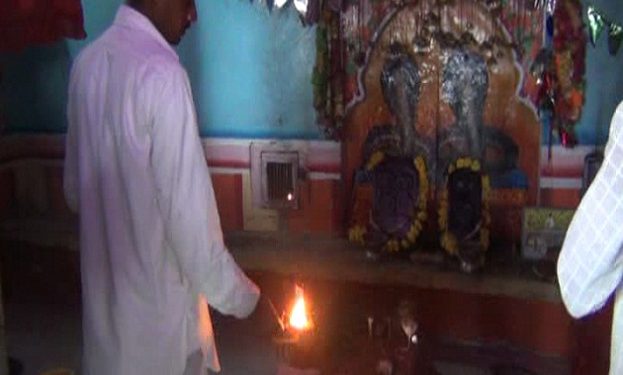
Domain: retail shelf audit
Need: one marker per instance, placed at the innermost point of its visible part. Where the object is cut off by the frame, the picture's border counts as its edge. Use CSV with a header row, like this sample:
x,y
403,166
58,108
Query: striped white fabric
x,y
590,266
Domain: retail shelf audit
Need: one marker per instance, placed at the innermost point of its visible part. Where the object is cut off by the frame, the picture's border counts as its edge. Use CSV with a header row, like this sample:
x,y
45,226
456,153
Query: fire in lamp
x,y
299,318
295,343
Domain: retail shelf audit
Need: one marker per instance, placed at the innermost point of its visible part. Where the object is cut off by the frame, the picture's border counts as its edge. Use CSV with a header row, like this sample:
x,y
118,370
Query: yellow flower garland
x,y
375,159
448,240
357,232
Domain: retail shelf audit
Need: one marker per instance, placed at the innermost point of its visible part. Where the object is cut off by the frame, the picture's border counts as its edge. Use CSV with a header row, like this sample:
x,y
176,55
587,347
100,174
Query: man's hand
x,y
265,318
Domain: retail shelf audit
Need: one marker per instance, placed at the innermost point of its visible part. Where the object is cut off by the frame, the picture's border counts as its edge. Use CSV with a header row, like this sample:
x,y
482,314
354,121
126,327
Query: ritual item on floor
x,y
408,322
295,345
464,214
405,351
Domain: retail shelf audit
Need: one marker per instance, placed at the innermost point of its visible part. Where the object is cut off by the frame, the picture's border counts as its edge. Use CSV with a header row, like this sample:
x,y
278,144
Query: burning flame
x,y
299,319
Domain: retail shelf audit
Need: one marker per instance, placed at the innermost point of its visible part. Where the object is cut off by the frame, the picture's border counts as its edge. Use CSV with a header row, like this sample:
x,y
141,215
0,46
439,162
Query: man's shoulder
x,y
161,61
137,51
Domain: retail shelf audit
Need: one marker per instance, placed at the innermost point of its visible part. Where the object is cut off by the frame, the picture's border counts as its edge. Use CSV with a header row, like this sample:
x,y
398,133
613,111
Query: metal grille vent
x,y
279,179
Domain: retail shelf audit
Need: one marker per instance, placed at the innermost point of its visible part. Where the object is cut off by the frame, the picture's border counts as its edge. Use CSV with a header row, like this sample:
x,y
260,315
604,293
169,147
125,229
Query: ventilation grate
x,y
279,176
279,179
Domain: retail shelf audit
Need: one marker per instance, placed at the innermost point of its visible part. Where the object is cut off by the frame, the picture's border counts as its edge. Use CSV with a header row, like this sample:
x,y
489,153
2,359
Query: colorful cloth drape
x,y
347,28
28,22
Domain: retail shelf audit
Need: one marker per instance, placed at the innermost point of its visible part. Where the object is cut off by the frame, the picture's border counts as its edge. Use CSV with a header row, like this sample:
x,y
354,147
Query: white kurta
x,y
590,266
151,244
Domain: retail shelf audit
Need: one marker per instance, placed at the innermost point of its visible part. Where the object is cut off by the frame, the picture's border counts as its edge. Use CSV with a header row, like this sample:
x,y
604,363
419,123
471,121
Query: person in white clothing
x,y
152,251
590,265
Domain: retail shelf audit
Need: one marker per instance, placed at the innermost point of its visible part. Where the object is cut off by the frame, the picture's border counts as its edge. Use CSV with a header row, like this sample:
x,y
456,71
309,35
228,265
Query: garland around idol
x,y
357,233
449,241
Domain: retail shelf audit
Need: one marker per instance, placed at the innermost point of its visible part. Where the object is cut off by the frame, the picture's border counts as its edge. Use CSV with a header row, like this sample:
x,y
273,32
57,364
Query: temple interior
x,y
410,167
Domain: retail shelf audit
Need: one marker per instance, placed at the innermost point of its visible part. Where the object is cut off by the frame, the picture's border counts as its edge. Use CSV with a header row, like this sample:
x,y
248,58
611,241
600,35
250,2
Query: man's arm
x,y
187,203
590,265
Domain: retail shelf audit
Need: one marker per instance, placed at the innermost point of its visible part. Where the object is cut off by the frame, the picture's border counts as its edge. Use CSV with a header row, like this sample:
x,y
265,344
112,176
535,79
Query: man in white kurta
x,y
151,244
590,266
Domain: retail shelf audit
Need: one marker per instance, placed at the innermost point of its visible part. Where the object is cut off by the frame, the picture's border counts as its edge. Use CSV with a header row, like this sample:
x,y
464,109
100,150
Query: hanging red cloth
x,y
28,22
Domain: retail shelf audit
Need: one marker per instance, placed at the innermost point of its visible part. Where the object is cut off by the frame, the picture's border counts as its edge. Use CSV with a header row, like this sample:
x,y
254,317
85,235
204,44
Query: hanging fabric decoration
x,y
347,29
597,22
329,74
615,35
551,6
548,5
302,6
558,70
541,64
280,3
35,22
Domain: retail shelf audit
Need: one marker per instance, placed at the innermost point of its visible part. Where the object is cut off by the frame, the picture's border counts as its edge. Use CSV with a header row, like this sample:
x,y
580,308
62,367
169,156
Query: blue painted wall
x,y
250,72
604,80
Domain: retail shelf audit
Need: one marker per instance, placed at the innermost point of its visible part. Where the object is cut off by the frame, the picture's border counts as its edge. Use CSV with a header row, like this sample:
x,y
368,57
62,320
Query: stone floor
x,y
43,317
42,306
